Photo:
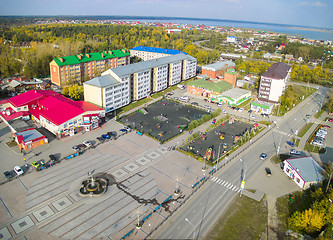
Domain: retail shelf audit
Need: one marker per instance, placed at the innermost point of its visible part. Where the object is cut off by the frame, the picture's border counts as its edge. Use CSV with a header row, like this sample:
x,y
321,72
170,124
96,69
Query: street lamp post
x,y
192,226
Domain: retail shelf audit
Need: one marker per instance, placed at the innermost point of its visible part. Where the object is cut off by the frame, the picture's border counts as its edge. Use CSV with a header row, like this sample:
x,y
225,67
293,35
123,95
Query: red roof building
x,y
58,114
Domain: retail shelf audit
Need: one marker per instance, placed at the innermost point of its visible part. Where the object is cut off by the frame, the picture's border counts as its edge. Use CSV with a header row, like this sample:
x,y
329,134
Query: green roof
x,y
96,56
231,71
217,87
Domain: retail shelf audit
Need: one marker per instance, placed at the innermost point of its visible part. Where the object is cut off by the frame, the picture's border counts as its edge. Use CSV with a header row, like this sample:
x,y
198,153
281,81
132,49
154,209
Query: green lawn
x,y
319,113
304,129
244,219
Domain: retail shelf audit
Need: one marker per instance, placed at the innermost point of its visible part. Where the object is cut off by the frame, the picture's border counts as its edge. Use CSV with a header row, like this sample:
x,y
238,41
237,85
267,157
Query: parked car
x,y
224,111
330,120
295,152
317,143
322,131
290,143
220,104
76,148
8,174
87,143
101,139
207,107
253,117
263,156
127,128
250,111
122,130
237,108
35,164
195,103
106,136
268,171
170,93
18,170
326,126
241,110
176,98
113,133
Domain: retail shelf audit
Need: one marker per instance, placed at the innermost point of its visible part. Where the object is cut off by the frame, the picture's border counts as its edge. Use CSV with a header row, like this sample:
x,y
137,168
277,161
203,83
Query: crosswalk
x,y
283,133
226,184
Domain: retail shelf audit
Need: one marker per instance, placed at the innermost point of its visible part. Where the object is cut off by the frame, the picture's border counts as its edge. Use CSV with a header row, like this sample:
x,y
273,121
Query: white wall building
x,y
149,53
117,87
273,82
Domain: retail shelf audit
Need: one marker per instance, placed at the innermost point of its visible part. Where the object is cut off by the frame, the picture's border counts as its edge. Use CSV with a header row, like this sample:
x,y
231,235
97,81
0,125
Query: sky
x,y
316,13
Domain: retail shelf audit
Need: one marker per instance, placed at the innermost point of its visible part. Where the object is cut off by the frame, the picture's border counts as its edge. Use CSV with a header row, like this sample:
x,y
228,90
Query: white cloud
x,y
314,4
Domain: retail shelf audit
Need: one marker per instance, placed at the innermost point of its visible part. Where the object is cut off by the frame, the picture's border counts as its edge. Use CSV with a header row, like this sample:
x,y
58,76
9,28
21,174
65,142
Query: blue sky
x,y
317,13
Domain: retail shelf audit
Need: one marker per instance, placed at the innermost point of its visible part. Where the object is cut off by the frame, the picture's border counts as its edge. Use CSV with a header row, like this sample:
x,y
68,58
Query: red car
x,y
330,119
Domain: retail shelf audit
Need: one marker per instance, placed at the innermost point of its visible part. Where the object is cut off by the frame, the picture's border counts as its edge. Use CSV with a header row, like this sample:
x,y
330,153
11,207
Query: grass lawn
x,y
134,105
299,92
304,129
244,219
319,113
312,148
247,104
265,122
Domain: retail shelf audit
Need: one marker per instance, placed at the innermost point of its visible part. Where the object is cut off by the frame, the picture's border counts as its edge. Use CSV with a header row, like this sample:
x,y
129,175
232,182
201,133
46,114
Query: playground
x,y
224,136
163,120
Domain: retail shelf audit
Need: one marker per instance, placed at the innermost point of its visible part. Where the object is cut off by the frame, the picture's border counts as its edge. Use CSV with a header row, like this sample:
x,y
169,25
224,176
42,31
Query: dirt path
x,y
272,219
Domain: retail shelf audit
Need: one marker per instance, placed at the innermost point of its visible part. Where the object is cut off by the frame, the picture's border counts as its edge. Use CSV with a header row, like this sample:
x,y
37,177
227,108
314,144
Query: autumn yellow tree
x,y
309,221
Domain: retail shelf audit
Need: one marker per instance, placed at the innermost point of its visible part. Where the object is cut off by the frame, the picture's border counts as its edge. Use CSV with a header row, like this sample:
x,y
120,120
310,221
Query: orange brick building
x,y
29,138
230,76
82,67
217,69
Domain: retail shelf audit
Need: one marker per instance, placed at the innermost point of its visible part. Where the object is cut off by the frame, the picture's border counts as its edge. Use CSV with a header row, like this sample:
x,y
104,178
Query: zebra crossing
x,y
226,184
283,133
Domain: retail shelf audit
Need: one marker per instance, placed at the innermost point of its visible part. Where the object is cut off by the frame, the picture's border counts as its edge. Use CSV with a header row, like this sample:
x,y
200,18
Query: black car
x,y
268,171
113,133
8,174
195,104
101,139
249,111
53,158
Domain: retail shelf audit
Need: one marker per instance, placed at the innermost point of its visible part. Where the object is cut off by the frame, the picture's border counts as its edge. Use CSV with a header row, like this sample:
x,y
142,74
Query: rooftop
x,y
143,66
102,81
307,168
157,50
278,70
219,65
235,93
96,56
29,135
262,104
217,87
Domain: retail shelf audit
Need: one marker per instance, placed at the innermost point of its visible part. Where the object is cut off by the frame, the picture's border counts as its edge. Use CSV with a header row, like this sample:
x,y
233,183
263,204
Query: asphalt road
x,y
211,201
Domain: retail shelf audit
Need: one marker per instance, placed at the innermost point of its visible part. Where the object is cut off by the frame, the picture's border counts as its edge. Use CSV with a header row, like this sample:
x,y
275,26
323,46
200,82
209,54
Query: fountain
x,y
93,186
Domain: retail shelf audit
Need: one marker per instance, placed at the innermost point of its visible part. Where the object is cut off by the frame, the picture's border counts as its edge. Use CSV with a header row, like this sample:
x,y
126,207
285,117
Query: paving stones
x,y
5,234
22,224
43,213
142,161
131,167
153,155
119,173
62,204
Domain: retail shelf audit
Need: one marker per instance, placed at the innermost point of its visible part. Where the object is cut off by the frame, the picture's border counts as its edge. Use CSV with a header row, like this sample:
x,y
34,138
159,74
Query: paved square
x,y
43,213
22,224
5,234
62,203
131,167
153,155
75,196
162,150
142,161
119,173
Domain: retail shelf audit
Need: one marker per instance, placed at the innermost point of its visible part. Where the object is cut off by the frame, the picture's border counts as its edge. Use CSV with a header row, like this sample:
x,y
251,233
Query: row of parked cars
x,y
319,138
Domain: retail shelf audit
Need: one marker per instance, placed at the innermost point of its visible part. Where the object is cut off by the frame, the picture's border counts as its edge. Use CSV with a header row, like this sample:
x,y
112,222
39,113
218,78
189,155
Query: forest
x,y
29,49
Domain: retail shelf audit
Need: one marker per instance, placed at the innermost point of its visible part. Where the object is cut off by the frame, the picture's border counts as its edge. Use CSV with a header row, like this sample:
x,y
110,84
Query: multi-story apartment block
x,y
81,67
149,53
138,80
273,82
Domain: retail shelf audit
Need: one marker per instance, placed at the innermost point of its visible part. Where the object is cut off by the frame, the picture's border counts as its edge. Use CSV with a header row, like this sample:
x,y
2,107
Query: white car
x,y
241,110
253,117
18,170
87,143
224,111
295,152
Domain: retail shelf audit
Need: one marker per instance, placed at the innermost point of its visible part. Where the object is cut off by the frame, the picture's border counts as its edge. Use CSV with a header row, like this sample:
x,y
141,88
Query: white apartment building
x,y
149,53
273,82
119,86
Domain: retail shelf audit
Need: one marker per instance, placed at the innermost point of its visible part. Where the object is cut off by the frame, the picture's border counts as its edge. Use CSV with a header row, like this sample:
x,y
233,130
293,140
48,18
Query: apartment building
x,y
117,87
149,53
273,82
81,67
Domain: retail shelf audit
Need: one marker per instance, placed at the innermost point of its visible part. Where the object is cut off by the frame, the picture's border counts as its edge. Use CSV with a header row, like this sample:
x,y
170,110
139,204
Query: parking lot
x,y
163,120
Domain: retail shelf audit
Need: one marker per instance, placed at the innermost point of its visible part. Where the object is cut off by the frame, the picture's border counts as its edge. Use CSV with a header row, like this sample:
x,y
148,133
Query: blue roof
x,y
307,168
158,50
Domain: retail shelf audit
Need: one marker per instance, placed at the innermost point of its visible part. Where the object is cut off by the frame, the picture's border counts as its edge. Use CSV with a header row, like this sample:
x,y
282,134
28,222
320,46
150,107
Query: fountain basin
x,y
93,186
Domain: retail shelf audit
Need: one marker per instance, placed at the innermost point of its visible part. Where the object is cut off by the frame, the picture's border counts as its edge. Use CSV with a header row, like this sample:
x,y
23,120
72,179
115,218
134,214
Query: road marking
x,y
222,182
214,178
234,188
225,183
231,186
238,190
228,185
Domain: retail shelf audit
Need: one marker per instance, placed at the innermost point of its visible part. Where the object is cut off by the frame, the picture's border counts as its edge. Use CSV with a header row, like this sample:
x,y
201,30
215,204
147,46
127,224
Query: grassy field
x,y
304,129
299,92
319,113
244,219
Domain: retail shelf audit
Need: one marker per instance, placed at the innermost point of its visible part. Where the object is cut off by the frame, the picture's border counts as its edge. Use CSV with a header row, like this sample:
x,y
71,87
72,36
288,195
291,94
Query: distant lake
x,y
307,32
